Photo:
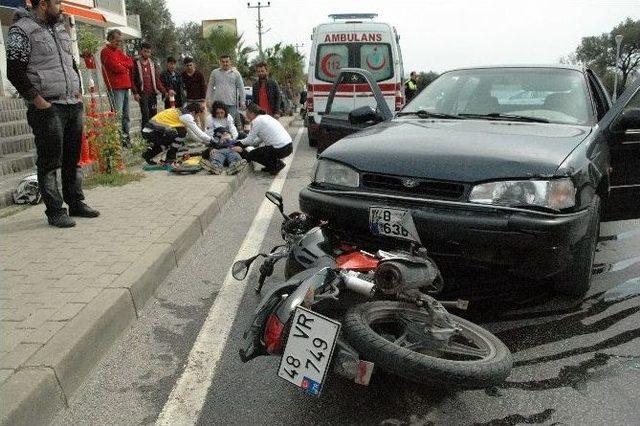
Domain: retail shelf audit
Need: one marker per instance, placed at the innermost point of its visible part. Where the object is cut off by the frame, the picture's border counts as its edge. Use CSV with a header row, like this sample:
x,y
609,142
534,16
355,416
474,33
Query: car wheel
x,y
313,140
575,279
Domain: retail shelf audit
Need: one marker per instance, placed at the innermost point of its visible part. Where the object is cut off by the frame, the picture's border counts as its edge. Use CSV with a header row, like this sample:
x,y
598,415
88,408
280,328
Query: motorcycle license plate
x,y
309,350
395,223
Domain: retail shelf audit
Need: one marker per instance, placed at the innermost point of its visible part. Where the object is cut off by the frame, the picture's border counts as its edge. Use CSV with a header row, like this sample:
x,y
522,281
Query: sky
x,y
434,34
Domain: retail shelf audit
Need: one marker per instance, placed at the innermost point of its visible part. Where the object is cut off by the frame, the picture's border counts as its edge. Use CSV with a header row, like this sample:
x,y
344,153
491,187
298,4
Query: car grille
x,y
422,188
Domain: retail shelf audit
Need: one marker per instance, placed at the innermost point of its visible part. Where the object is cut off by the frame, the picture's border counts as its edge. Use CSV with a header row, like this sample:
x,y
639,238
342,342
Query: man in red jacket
x,y
147,84
117,68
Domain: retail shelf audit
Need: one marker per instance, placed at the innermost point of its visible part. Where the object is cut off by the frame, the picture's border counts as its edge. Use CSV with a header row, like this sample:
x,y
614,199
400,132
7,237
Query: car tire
x,y
575,280
313,140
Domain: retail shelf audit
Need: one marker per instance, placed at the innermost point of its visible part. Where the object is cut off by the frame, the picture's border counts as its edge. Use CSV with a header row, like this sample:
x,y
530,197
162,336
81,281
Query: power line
x,y
259,6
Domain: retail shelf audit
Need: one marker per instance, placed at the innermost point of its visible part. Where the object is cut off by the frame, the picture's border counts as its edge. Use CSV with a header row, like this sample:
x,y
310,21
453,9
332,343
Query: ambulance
x,y
355,41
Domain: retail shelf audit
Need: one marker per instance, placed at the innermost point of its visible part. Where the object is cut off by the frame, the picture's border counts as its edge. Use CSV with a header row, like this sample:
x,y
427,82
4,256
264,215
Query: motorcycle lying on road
x,y
351,310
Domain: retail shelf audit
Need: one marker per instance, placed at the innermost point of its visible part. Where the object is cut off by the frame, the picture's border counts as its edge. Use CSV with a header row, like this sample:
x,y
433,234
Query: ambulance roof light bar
x,y
336,16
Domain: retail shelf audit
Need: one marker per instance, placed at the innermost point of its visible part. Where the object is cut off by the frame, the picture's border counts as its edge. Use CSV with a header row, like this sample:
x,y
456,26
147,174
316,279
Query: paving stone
x,y
19,355
5,374
67,312
43,334
39,317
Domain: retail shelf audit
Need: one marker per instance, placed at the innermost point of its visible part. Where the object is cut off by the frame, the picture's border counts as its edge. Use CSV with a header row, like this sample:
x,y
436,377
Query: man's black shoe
x,y
149,160
82,210
276,170
61,220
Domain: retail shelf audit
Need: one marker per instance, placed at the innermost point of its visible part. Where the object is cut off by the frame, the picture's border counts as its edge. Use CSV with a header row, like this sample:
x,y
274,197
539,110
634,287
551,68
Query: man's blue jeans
x,y
120,99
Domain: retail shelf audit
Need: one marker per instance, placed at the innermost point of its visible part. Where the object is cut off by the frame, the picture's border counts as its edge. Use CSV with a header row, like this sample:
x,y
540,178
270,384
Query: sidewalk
x,y
67,294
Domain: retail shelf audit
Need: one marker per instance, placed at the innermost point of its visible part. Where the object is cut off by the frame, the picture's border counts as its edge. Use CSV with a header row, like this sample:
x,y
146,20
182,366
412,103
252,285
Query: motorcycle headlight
x,y
554,194
332,173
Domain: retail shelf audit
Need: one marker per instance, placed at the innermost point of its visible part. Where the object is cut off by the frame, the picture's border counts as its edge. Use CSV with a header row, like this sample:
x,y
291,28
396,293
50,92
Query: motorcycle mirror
x,y
240,268
276,199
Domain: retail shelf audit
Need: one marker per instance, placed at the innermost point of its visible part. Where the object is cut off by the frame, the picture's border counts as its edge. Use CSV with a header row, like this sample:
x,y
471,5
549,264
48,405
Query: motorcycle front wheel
x,y
392,335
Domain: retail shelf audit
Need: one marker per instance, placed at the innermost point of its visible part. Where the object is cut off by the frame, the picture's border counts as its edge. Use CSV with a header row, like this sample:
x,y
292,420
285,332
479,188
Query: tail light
x,y
310,102
399,100
273,335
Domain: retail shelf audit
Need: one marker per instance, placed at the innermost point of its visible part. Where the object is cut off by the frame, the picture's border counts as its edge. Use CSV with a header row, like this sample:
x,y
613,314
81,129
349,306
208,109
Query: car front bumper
x,y
531,244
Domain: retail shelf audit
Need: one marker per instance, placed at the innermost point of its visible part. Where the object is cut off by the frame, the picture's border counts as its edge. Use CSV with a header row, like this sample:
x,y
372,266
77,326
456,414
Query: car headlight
x,y
554,194
332,173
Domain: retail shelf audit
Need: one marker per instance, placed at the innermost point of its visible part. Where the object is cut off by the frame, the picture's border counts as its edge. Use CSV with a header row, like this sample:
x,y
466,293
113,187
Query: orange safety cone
x,y
85,154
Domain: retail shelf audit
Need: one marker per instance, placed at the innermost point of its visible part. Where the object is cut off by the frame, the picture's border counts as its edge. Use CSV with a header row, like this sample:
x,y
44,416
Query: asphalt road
x,y
575,363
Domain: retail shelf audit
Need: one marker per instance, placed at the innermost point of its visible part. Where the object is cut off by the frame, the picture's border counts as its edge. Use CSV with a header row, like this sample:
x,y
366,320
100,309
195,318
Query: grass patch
x,y
111,179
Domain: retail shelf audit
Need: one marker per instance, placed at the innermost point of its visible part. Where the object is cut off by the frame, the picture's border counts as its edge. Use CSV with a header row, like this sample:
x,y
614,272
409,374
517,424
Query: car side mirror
x,y
629,119
303,98
364,114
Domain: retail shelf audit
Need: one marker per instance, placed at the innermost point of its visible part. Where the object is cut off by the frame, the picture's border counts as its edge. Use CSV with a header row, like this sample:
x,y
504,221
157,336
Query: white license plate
x,y
394,223
309,350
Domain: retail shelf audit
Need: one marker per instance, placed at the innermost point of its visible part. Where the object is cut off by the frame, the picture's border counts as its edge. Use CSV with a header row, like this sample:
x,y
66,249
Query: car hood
x,y
459,150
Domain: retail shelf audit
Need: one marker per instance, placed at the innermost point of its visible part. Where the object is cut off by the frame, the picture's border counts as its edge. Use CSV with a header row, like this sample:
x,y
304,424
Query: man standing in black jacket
x,y
172,80
266,92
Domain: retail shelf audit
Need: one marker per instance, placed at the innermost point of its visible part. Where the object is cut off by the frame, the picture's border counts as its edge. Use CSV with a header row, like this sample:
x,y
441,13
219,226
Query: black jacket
x,y
273,93
175,83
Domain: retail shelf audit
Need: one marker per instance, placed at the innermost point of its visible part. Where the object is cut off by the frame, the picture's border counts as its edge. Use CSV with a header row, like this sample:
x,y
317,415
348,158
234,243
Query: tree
x,y
156,25
286,64
599,52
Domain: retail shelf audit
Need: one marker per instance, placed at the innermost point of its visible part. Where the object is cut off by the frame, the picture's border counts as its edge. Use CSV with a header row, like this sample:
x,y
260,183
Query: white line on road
x,y
188,395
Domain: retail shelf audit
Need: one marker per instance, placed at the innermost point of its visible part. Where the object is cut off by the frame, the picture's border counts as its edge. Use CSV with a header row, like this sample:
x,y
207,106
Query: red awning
x,y
83,13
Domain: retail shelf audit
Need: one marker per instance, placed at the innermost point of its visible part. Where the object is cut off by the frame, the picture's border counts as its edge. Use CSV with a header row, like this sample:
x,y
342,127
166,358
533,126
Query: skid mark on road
x,y
188,396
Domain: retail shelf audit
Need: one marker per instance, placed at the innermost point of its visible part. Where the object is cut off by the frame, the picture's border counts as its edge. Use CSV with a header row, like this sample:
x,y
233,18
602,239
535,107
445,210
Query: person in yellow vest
x,y
411,87
168,128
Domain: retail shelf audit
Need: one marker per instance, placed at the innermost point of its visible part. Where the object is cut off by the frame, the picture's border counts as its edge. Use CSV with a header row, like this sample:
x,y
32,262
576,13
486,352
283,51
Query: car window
x,y
376,58
633,104
331,58
554,94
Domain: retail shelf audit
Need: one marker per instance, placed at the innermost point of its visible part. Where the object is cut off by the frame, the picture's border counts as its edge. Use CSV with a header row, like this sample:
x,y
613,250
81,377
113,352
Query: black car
x,y
507,167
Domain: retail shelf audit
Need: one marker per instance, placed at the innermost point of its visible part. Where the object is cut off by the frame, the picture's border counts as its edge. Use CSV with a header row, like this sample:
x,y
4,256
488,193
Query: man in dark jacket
x,y
266,92
39,45
172,81
147,84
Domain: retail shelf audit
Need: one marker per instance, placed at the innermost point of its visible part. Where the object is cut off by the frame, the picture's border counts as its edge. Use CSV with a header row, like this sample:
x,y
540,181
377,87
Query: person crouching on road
x,y
276,141
167,130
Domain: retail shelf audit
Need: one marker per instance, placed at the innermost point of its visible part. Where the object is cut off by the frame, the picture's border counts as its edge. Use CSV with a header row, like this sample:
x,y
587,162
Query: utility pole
x,y
259,6
298,46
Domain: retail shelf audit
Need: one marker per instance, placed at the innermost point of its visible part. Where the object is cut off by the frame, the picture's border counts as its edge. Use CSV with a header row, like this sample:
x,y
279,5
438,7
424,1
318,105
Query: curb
x,y
38,390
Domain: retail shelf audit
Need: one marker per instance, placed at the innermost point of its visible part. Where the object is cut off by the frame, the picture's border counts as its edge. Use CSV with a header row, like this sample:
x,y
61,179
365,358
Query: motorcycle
x,y
348,310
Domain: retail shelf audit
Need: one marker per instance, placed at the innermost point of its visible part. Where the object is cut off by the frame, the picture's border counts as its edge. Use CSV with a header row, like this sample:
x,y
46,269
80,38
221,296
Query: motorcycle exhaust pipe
x,y
359,285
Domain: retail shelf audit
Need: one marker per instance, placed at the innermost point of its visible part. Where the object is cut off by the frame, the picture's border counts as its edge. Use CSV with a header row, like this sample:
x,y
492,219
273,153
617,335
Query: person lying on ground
x,y
167,130
276,141
223,149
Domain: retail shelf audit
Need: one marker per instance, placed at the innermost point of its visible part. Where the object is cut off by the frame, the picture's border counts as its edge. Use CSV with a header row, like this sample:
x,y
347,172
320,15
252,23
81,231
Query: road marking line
x,y
190,391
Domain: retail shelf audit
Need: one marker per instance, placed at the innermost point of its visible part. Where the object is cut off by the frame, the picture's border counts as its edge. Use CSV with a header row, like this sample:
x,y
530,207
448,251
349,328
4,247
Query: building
x,y
97,15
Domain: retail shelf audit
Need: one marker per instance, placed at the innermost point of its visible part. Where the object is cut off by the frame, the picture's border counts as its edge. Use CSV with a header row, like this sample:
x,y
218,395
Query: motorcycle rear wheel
x,y
389,333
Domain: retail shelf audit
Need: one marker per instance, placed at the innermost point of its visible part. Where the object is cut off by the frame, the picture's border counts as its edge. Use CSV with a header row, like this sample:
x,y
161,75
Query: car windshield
x,y
529,94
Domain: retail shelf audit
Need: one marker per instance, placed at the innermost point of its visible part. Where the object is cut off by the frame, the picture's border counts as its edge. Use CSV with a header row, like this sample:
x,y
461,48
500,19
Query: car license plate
x,y
309,350
394,223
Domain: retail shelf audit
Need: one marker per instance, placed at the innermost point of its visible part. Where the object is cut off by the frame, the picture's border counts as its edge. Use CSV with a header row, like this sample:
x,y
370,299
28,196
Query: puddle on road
x,y
629,288
601,268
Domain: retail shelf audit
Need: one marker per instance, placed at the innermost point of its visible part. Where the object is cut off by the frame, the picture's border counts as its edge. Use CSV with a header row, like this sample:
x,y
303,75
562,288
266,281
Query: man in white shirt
x,y
276,141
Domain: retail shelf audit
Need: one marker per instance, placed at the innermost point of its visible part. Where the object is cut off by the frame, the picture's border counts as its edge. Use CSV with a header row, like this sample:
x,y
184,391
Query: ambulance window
x,y
377,59
331,57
